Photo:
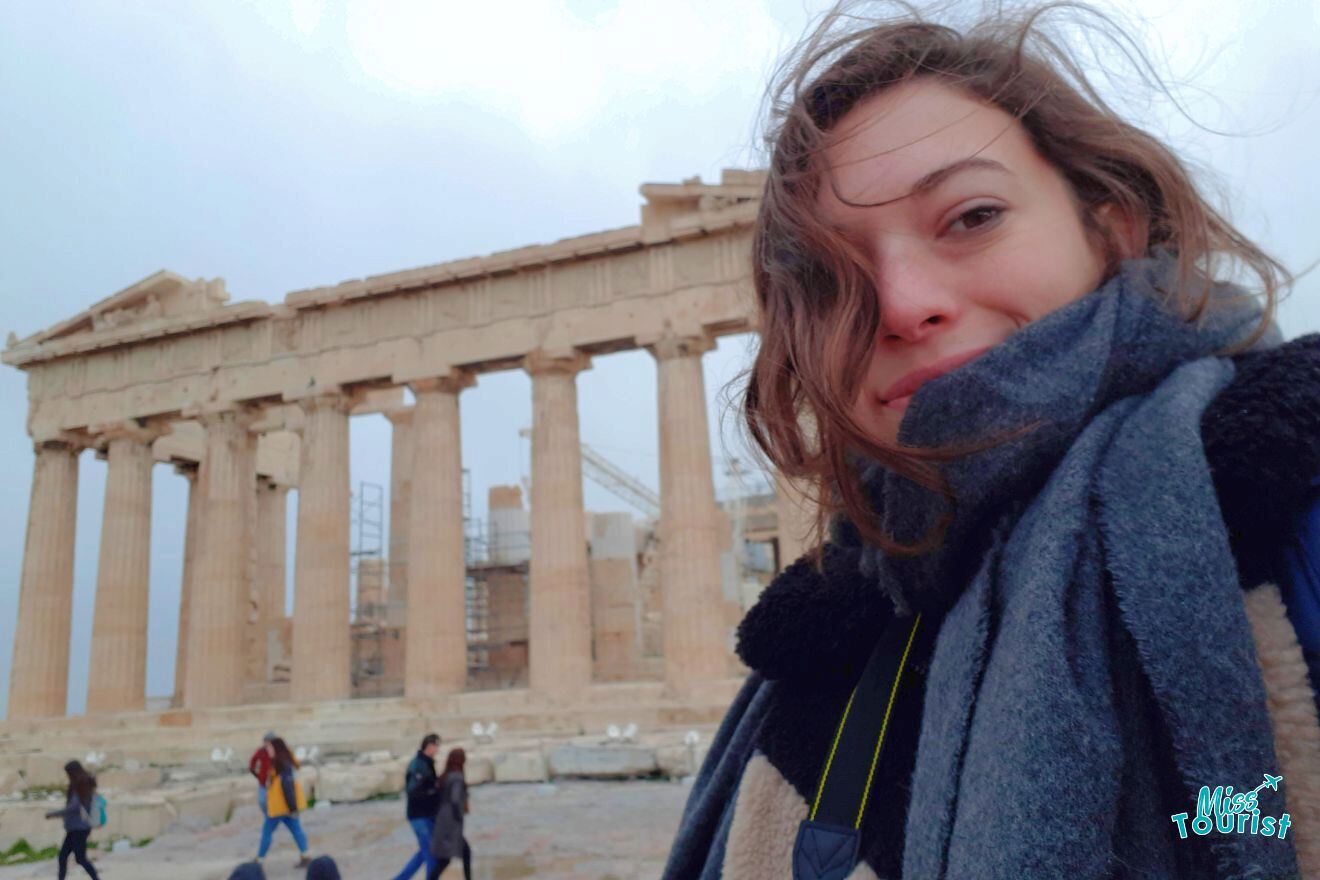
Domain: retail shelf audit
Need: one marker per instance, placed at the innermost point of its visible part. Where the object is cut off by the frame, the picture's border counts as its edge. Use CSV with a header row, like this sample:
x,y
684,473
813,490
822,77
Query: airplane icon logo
x,y
1270,782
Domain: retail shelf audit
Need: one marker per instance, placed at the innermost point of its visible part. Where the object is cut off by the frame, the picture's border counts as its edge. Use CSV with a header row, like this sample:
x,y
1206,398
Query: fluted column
x,y
117,679
191,538
796,514
39,675
401,464
436,653
272,513
559,632
691,589
217,615
322,650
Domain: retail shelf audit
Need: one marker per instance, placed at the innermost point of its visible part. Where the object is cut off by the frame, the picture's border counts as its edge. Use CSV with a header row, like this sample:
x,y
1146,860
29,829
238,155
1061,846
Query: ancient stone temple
x,y
250,400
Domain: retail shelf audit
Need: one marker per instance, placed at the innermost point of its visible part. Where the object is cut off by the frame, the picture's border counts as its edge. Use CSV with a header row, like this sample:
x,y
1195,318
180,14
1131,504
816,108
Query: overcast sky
x,y
286,145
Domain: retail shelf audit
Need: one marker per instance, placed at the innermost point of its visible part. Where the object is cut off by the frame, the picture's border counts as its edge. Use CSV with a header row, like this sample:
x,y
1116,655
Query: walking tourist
x,y
421,788
1065,465
447,841
79,804
259,765
285,799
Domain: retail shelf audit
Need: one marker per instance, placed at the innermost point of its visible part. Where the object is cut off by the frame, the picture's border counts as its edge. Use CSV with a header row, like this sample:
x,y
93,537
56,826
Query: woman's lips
x,y
911,383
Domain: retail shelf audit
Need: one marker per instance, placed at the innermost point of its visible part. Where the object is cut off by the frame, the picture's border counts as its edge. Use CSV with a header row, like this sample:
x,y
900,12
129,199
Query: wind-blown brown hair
x,y
81,783
818,310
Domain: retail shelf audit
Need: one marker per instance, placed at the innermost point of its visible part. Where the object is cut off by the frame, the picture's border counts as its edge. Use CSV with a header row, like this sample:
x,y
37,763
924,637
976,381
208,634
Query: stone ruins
x,y
249,400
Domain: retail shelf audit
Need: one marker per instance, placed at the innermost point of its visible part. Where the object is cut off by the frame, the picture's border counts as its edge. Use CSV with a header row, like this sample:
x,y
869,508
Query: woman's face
x,y
979,236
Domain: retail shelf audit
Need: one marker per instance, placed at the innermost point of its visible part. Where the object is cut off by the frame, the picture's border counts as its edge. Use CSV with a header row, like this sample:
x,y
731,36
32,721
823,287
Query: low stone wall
x,y
143,801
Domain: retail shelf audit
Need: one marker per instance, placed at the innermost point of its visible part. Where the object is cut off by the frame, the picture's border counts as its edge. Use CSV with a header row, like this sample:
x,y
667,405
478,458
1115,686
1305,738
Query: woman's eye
x,y
976,217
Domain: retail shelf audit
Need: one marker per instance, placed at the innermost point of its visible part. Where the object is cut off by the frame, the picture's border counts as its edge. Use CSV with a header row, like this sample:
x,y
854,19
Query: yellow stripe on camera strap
x,y
828,839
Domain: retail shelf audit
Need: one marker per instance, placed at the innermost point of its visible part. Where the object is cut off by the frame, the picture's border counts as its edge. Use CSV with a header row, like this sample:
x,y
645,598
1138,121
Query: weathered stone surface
x,y
479,770
526,765
351,783
381,756
310,777
11,781
21,820
137,817
124,779
602,762
211,806
679,761
45,771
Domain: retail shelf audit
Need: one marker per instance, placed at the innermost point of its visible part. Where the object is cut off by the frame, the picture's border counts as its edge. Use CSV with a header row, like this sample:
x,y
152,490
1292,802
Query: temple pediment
x,y
161,296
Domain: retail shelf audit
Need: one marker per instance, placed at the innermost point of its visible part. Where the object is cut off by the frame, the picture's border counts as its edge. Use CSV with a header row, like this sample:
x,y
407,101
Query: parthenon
x,y
251,399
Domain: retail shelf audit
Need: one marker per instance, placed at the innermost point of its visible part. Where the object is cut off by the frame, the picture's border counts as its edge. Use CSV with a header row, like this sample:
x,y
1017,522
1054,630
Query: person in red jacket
x,y
260,765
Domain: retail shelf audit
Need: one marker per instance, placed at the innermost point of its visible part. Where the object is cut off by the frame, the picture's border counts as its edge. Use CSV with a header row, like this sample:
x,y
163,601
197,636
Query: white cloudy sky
x,y
284,145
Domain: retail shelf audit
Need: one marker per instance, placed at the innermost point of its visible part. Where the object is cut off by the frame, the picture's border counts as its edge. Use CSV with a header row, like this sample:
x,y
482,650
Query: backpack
x,y
98,817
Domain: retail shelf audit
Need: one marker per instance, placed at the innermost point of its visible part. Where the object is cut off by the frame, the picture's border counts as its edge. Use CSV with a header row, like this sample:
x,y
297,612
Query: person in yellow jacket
x,y
284,801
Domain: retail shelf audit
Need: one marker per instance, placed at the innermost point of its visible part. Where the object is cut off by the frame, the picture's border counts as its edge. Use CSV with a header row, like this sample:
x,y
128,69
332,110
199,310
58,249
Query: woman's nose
x,y
914,302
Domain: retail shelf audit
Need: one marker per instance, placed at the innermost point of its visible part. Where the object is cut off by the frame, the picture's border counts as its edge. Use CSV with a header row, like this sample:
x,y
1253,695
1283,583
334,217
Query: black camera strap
x,y
828,839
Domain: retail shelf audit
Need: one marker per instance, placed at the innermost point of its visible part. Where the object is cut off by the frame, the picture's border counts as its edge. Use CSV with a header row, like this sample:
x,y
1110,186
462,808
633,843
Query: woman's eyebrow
x,y
940,175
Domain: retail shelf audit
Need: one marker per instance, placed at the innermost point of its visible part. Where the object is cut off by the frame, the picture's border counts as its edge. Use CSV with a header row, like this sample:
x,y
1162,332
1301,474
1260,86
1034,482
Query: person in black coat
x,y
447,841
421,788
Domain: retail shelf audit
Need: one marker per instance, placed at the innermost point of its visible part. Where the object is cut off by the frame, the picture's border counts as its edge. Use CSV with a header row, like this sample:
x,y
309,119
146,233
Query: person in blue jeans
x,y
422,789
285,799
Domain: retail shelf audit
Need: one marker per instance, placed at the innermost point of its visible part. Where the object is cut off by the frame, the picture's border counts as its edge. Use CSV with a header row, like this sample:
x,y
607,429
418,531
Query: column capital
x,y
336,399
543,361
144,431
451,382
669,344
401,416
70,443
209,415
265,481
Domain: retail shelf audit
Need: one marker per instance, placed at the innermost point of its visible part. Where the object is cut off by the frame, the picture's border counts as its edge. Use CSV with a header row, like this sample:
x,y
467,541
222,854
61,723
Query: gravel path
x,y
569,830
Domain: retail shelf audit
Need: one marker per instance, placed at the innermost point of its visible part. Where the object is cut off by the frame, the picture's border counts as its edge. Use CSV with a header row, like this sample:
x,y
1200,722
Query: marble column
x,y
272,514
435,660
322,649
797,517
695,639
217,615
559,632
117,679
39,675
191,538
401,463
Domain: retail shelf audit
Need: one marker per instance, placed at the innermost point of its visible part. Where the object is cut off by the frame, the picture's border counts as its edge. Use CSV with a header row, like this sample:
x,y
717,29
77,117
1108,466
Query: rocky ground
x,y
565,830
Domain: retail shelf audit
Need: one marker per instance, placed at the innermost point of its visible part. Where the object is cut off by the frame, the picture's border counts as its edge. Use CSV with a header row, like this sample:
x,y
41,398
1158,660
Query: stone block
x,y
309,776
11,781
602,762
211,804
137,817
525,765
380,756
679,761
478,771
45,771
21,820
124,780
395,776
350,782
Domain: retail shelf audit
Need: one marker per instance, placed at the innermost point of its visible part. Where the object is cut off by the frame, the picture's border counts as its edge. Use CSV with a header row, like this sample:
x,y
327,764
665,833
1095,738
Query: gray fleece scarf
x,y
1089,597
